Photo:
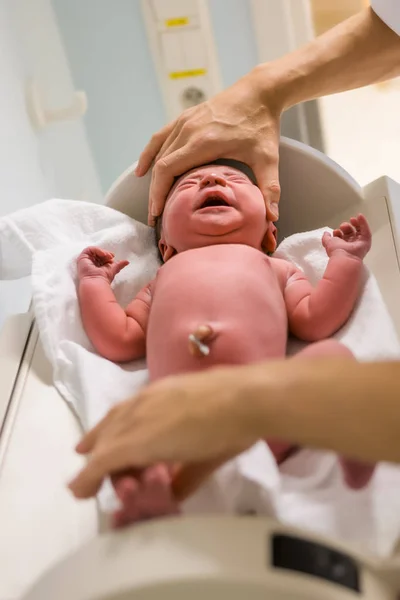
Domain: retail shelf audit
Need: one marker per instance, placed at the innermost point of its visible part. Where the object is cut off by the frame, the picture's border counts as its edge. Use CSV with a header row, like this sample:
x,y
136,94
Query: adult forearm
x,y
360,51
350,408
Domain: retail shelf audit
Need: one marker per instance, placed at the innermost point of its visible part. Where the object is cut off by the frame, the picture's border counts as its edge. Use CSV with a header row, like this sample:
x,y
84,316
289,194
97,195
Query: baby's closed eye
x,y
187,183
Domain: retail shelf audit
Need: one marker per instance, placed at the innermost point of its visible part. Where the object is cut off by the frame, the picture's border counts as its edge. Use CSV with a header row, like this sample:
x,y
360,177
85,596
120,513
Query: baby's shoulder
x,y
282,268
281,265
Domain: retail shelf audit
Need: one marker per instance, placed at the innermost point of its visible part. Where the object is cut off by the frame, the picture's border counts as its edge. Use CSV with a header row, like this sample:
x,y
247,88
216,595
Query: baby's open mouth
x,y
214,201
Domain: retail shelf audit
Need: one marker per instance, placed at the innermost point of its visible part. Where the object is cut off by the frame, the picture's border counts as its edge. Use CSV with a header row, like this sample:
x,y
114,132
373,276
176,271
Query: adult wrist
x,y
269,86
261,390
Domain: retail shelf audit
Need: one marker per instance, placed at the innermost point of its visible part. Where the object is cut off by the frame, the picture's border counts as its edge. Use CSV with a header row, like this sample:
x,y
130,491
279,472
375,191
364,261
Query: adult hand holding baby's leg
x,y
157,491
186,419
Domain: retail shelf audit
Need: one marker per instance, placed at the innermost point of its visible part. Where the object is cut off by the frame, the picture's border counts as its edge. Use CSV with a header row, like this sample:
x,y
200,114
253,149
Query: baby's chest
x,y
242,287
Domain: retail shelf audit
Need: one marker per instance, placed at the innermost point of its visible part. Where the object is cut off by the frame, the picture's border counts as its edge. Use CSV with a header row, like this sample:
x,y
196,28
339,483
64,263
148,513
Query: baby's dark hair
x,y
228,162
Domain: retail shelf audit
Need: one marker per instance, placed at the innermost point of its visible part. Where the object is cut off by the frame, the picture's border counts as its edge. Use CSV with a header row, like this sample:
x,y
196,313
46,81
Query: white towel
x,y
308,491
45,240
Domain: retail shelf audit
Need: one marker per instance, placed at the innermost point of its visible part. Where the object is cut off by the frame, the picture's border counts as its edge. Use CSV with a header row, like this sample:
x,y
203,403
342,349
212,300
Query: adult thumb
x,y
267,175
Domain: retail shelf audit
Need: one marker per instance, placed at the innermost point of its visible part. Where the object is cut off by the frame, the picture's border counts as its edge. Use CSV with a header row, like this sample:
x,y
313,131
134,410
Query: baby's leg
x,y
356,473
144,494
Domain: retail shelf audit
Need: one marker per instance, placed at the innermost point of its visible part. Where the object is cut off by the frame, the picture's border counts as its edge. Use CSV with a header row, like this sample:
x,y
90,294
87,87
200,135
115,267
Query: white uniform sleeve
x,y
389,12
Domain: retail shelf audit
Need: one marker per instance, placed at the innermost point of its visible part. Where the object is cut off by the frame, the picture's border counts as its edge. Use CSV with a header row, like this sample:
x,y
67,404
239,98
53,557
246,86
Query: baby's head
x,y
218,203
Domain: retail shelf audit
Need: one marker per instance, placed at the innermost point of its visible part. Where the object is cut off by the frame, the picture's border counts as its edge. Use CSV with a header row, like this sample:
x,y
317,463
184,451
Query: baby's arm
x,y
117,334
316,313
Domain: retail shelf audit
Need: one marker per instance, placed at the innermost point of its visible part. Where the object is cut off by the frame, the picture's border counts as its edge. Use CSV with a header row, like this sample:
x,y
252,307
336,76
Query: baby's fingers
x,y
98,256
104,257
99,252
104,253
364,226
325,238
347,228
338,233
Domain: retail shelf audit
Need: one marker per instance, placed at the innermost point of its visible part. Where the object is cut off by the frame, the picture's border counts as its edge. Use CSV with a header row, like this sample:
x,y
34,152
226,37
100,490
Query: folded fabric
x,y
369,333
45,240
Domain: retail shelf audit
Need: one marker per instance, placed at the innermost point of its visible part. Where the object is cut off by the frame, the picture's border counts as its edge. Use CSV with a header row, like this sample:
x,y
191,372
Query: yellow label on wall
x,y
177,22
189,73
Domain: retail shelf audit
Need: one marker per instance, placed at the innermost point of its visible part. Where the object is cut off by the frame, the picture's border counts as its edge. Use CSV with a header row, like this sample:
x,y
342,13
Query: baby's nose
x,y
212,179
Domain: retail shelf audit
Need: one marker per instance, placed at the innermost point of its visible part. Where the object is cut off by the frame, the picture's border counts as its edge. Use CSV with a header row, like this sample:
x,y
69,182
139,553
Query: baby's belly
x,y
212,310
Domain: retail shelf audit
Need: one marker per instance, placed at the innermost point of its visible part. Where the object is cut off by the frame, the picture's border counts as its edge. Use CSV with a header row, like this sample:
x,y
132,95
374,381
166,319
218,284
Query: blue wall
x,y
234,38
110,59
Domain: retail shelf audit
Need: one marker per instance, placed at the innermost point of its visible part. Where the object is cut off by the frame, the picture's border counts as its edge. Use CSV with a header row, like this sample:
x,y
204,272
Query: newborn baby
x,y
219,299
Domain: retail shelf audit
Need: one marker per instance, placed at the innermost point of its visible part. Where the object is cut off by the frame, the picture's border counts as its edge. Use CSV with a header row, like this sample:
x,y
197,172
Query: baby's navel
x,y
198,341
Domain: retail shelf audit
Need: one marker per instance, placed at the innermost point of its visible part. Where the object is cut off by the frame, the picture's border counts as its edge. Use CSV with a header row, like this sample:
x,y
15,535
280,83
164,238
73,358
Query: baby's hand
x,y
95,262
354,238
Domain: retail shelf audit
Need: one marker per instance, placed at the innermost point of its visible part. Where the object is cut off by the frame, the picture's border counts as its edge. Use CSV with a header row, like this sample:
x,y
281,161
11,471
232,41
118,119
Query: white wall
x,y
234,38
65,155
109,54
21,179
110,58
36,166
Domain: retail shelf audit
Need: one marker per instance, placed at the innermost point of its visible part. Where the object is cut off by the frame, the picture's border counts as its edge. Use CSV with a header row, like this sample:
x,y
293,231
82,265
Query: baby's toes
x,y
128,491
156,475
159,497
125,487
126,515
356,474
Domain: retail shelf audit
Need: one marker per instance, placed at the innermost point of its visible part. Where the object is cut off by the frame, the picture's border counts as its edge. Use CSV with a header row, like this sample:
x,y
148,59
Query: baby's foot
x,y
356,474
281,450
144,495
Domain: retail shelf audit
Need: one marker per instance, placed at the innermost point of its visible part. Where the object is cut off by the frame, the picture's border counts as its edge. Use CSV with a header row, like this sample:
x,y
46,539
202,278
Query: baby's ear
x,y
166,251
269,242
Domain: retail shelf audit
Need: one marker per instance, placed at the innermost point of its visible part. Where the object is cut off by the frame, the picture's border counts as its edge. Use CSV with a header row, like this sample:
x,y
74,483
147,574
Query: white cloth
x,y
308,491
389,12
362,334
45,240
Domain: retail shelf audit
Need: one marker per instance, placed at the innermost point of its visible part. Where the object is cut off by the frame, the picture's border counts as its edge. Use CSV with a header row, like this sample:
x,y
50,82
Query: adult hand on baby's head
x,y
354,238
184,419
237,123
96,262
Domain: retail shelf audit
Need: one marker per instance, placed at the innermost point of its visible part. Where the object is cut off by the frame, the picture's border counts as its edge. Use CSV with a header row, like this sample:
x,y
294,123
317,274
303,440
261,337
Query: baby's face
x,y
213,205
